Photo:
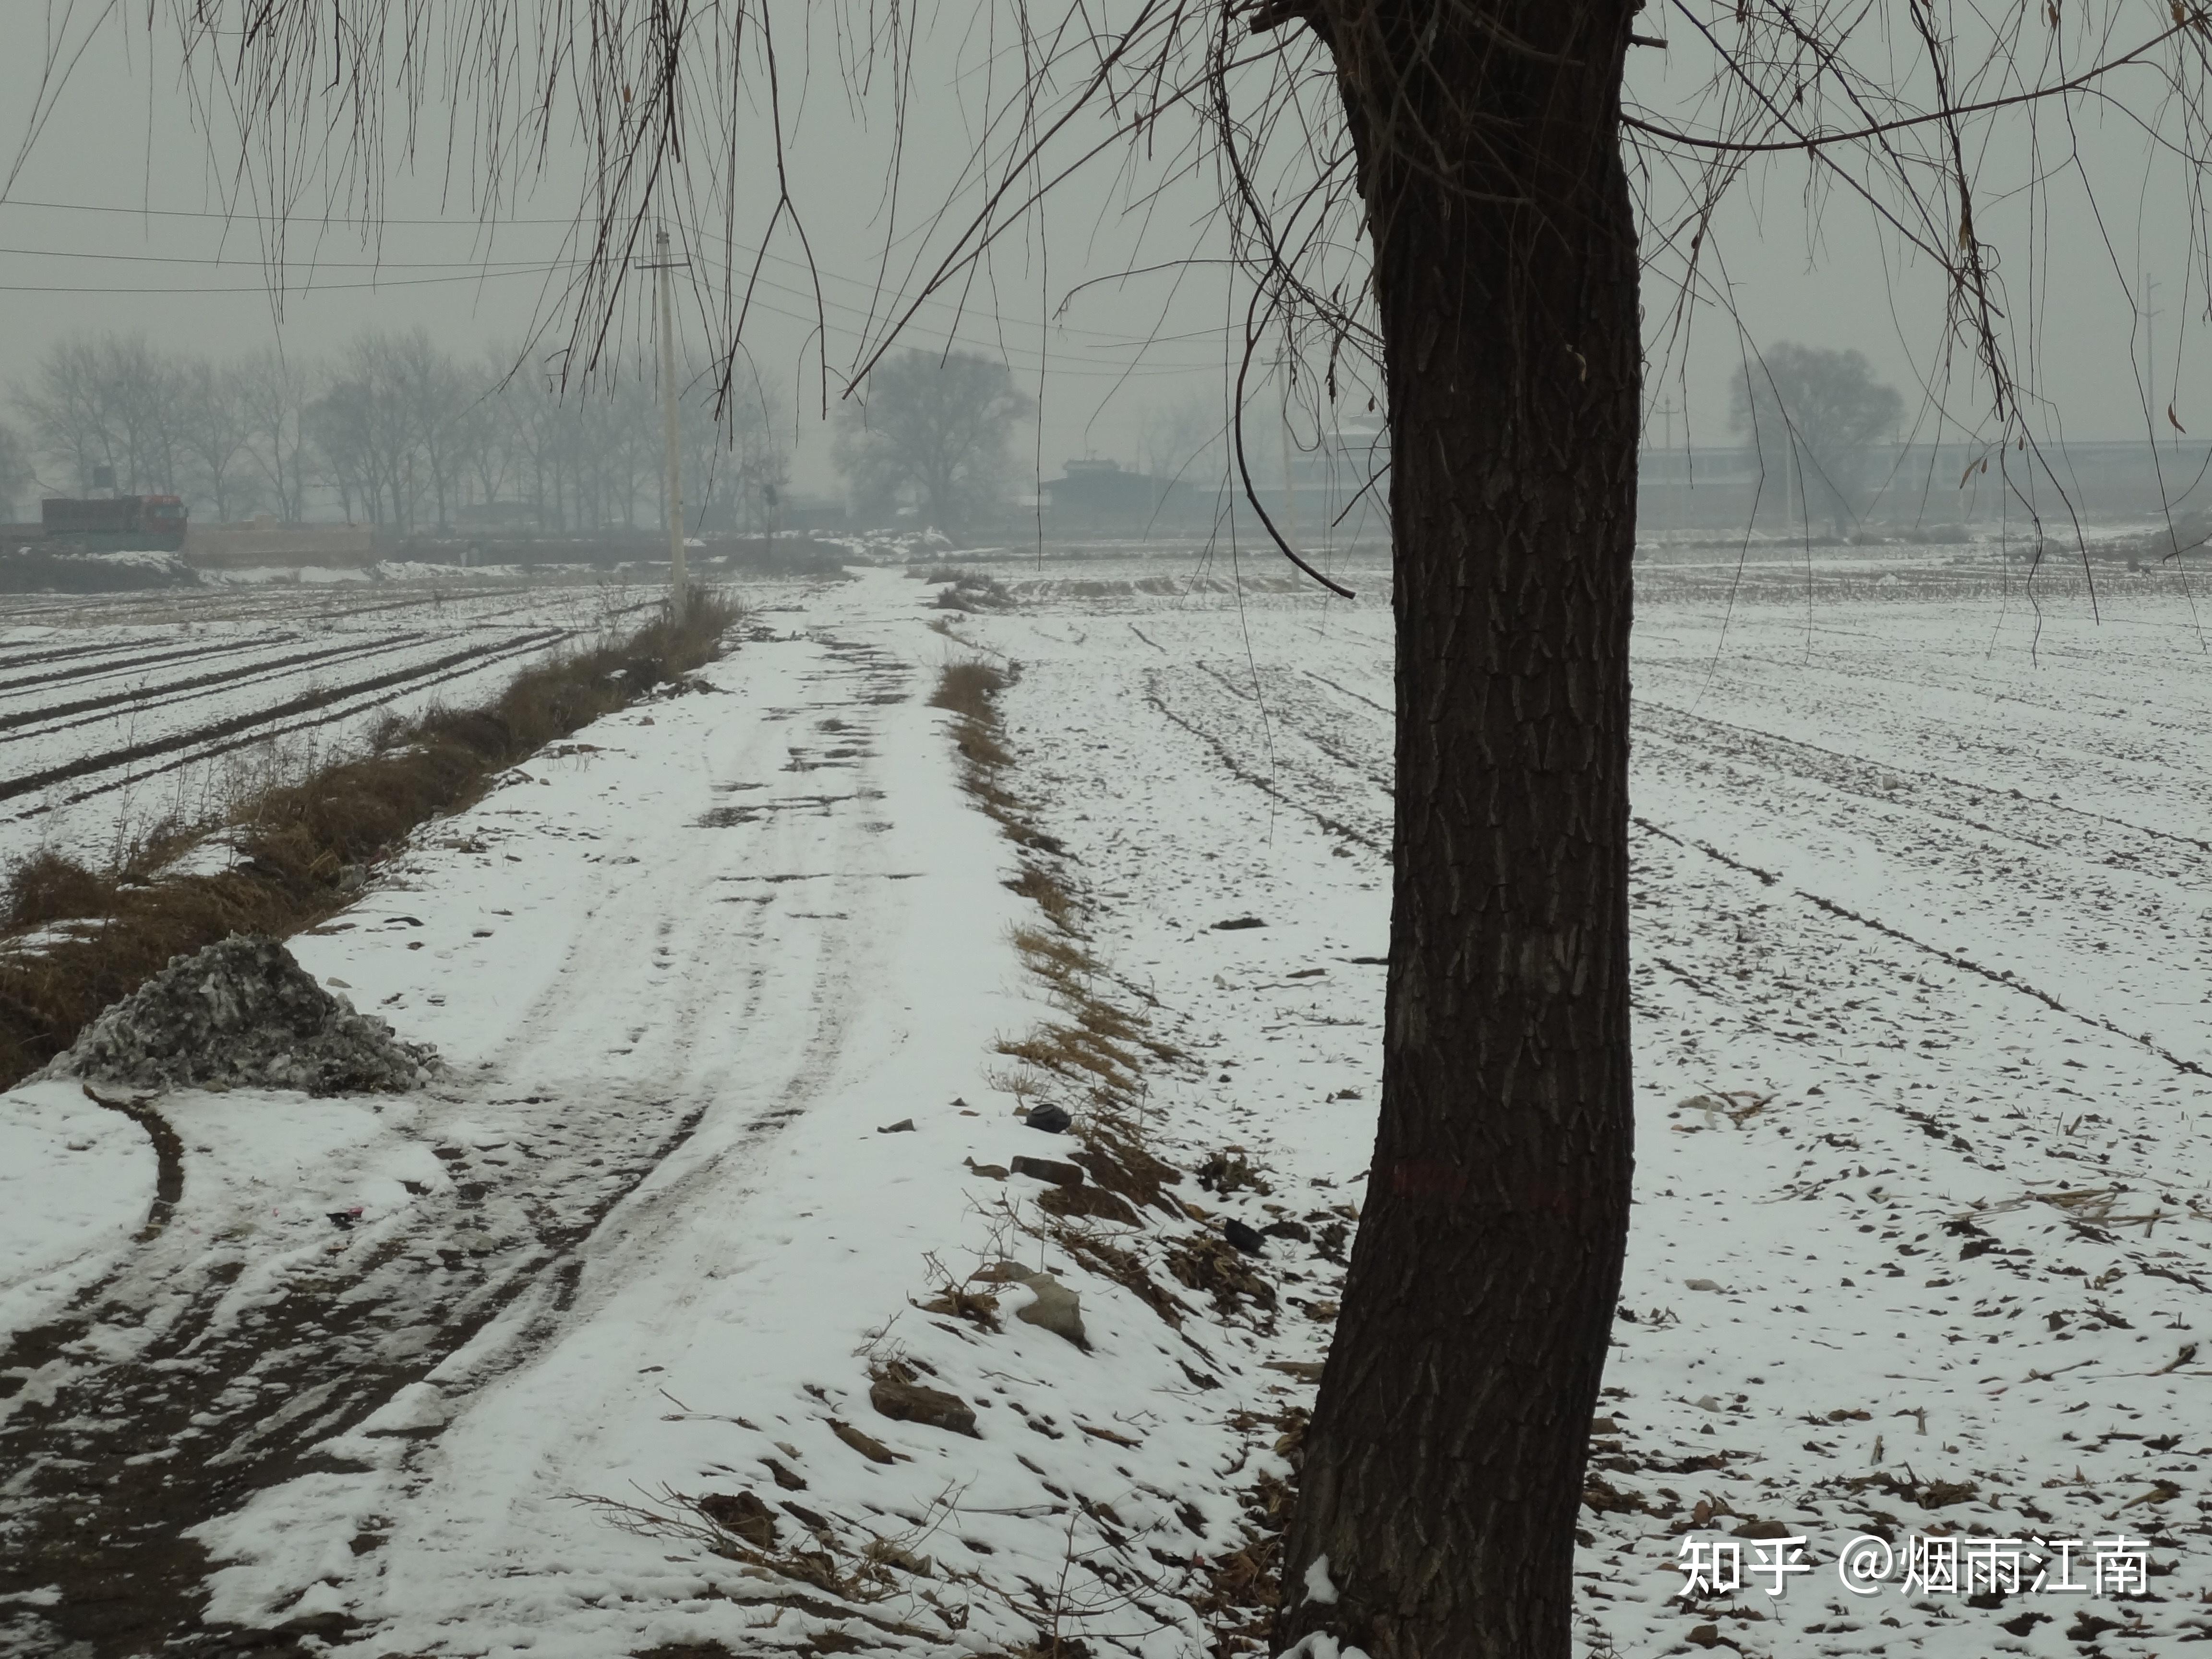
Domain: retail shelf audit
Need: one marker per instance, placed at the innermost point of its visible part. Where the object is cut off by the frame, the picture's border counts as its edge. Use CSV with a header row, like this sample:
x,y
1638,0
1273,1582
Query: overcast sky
x,y
116,221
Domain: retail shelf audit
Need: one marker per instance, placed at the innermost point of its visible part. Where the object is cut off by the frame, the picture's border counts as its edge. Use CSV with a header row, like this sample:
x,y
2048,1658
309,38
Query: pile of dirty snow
x,y
242,1014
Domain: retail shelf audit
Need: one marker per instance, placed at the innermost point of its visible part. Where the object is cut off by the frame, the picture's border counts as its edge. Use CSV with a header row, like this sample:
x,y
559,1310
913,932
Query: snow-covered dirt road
x,y
1922,1249
654,960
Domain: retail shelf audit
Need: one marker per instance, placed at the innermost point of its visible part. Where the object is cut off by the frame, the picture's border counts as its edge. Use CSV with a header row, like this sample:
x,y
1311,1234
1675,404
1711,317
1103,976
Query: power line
x,y
1099,341
305,290
241,215
264,287
1135,370
953,337
311,264
698,243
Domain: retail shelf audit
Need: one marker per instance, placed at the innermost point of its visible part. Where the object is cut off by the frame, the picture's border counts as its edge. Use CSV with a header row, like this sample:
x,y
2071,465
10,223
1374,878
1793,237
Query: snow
x,y
1318,1587
262,575
1842,907
76,1181
157,561
834,964
1920,1241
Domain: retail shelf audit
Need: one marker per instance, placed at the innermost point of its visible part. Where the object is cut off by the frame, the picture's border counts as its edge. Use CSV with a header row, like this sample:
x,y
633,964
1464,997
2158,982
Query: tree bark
x,y
1443,1470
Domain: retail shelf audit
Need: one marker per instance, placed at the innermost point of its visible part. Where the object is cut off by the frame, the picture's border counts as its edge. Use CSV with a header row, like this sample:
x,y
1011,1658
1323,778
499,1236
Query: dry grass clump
x,y
1213,1265
1097,1046
48,887
301,846
1115,1157
957,1297
1125,1268
972,591
964,591
1228,1171
1093,1203
821,1574
969,689
1050,895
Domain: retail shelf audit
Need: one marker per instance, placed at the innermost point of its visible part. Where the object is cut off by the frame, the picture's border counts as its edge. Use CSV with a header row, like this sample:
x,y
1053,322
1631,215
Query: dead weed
x,y
1213,1265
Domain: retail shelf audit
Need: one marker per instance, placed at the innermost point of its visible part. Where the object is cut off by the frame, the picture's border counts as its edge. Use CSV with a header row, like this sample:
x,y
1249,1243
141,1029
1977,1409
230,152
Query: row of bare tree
x,y
391,430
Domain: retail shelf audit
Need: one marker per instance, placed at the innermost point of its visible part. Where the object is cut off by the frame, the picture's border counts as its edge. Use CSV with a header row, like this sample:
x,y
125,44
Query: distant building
x,y
114,523
1097,495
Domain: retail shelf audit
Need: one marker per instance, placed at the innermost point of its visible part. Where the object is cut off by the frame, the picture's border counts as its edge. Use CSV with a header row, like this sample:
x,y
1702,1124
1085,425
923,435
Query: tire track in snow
x,y
45,719
113,1458
695,950
49,718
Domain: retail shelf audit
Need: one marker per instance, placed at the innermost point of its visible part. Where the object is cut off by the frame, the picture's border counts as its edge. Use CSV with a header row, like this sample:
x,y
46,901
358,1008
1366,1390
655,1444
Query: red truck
x,y
114,524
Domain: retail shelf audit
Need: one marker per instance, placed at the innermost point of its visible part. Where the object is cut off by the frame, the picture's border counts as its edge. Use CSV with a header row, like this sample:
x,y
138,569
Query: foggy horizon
x,y
126,217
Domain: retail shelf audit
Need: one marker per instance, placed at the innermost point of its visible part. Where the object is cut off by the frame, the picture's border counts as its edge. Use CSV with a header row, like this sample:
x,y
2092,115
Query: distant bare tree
x,y
736,463
1809,415
618,433
762,473
110,401
363,428
940,423
532,438
275,389
66,403
383,426
493,451
433,399
1187,439
214,437
17,476
336,429
142,392
582,458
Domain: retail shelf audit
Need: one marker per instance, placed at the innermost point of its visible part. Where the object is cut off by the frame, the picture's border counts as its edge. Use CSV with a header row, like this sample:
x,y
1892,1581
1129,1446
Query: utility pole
x,y
663,264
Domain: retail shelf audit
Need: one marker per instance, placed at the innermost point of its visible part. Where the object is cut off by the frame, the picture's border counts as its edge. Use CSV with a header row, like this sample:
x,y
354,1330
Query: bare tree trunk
x,y
1443,1470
